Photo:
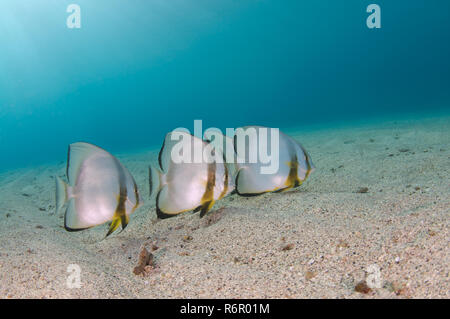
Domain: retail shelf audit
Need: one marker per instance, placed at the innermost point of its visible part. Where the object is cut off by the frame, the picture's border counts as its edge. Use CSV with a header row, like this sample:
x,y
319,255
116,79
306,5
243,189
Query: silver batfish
x,y
100,190
295,164
191,184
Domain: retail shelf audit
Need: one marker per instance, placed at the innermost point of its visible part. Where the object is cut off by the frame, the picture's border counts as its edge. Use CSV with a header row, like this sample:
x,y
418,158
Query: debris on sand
x,y
342,244
288,247
145,262
395,288
213,217
431,232
362,190
362,287
310,275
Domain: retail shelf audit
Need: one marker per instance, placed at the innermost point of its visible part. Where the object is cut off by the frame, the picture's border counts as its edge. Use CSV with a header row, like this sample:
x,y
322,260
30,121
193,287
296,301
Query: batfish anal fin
x,y
120,217
206,207
114,224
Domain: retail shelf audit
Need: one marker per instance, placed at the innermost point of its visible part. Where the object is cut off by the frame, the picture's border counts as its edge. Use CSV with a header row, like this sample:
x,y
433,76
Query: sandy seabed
x,y
319,241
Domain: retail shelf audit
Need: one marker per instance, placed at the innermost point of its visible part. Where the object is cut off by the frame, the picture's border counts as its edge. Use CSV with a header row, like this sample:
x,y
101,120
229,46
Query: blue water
x,y
137,69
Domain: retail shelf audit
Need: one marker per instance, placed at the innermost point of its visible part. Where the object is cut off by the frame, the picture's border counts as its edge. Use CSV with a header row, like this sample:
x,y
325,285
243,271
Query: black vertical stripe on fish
x,y
225,183
206,207
308,163
120,214
123,195
308,166
150,184
293,180
208,197
160,155
67,166
136,195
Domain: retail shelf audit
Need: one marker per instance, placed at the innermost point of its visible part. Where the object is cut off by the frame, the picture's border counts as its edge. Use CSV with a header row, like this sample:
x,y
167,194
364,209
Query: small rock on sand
x,y
288,247
362,190
362,287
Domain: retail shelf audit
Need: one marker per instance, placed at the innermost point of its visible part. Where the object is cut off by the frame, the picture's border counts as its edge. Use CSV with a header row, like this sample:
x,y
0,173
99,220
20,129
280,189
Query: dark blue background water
x,y
137,69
